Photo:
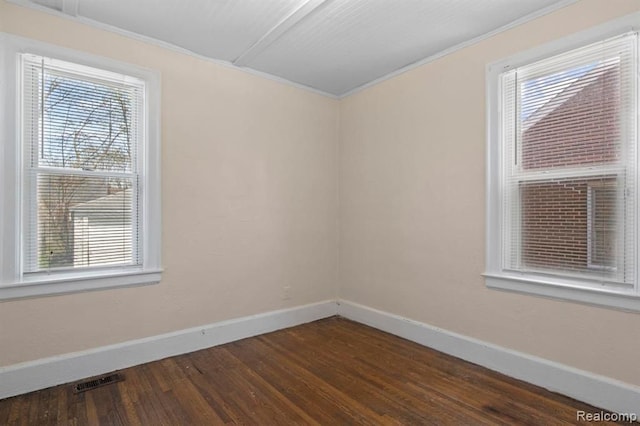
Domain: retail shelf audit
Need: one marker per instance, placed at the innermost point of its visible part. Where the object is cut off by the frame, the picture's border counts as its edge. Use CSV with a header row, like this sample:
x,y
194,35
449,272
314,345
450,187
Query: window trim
x,y
539,285
15,285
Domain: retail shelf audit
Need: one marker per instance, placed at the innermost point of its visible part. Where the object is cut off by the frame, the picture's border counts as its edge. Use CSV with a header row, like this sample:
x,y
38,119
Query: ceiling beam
x,y
70,7
288,22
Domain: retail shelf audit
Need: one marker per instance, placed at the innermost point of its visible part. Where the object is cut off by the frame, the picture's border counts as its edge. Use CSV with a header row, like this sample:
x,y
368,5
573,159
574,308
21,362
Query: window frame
x,y
14,283
497,277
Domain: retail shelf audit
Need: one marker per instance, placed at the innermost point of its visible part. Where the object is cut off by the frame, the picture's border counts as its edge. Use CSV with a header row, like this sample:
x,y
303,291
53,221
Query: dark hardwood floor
x,y
329,372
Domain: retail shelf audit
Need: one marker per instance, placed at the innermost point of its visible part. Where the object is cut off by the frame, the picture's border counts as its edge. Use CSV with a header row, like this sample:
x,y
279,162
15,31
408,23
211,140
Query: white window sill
x,y
611,298
58,284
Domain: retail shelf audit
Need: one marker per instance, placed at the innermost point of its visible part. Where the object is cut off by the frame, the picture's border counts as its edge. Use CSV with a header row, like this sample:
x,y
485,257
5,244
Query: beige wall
x,y
412,208
249,201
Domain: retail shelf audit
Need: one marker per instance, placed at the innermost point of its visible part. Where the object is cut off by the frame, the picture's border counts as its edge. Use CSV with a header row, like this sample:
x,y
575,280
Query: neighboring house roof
x,y
574,87
104,207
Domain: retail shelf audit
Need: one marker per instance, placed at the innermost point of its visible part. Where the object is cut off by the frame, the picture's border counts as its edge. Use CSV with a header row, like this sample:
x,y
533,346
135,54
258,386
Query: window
x,y
82,191
562,186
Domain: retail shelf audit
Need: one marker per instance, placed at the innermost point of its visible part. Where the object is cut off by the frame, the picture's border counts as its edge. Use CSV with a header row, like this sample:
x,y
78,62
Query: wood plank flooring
x,y
329,372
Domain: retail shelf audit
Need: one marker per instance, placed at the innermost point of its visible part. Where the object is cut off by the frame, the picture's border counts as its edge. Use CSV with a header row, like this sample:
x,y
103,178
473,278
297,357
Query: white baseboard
x,y
43,373
600,391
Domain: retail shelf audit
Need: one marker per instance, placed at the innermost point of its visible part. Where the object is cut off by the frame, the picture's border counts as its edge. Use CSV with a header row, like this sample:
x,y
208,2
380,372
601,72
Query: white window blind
x,y
568,126
82,131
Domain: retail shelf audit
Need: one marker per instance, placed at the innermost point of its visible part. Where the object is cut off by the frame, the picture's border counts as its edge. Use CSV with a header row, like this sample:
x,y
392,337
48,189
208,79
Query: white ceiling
x,y
333,46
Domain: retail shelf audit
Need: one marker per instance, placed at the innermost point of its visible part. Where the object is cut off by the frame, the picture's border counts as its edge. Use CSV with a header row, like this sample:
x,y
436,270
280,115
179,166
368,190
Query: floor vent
x,y
97,382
